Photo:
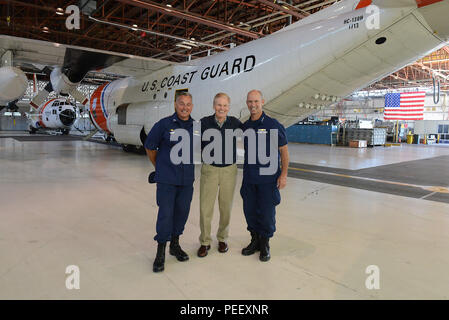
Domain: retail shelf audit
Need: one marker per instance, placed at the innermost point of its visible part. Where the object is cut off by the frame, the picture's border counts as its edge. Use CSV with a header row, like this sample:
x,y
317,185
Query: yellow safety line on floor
x,y
428,188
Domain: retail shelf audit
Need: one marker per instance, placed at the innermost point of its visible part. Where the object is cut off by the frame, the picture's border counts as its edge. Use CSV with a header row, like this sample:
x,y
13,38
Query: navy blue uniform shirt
x,y
262,126
230,123
159,139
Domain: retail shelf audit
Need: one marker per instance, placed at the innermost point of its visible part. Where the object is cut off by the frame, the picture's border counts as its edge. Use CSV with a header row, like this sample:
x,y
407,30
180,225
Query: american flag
x,y
404,106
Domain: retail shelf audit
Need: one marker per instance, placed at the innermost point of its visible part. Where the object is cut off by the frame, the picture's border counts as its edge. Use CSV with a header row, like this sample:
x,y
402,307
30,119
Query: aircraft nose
x,y
436,12
67,117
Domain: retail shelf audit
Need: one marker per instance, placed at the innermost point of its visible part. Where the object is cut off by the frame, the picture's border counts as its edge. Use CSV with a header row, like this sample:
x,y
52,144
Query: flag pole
x,y
397,132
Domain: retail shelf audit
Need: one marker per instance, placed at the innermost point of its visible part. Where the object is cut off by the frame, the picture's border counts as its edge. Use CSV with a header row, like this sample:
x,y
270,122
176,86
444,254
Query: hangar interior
x,y
361,191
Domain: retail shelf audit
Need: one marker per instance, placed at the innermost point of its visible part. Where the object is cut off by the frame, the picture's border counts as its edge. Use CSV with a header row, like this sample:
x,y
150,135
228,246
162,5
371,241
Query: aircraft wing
x,y
37,54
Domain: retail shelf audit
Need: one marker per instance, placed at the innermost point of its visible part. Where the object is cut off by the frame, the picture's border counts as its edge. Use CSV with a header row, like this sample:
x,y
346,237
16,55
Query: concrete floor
x,y
361,158
87,204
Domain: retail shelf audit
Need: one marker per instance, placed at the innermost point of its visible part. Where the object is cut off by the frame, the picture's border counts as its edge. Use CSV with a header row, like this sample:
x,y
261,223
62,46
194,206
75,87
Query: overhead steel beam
x,y
29,5
74,35
207,12
432,71
281,8
274,14
446,48
157,33
189,16
110,13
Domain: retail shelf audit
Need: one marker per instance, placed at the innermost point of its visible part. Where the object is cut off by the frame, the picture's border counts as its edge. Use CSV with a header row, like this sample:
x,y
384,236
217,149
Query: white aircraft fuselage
x,y
13,84
53,114
300,69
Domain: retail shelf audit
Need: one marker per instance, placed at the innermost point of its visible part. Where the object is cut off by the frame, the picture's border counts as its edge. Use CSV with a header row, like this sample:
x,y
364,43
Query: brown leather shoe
x,y
222,247
202,251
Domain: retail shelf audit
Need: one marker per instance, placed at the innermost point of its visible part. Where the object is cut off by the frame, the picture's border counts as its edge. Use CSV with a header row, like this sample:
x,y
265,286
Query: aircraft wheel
x,y
127,147
133,149
141,150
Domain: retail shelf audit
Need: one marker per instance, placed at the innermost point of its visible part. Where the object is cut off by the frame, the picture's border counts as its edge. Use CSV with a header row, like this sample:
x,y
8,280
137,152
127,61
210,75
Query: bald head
x,y
255,91
255,101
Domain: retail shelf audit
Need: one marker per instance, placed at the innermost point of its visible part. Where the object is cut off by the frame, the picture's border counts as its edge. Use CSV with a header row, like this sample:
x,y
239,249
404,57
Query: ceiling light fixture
x,y
244,24
190,43
183,46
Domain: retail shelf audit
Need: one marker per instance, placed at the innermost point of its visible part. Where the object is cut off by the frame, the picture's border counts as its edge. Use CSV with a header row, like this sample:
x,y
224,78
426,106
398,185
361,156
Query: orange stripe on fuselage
x,y
96,112
41,112
423,3
363,4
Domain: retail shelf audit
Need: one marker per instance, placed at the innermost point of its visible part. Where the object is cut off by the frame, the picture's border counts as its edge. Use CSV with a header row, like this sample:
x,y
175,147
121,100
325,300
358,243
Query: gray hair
x,y
258,91
221,95
183,93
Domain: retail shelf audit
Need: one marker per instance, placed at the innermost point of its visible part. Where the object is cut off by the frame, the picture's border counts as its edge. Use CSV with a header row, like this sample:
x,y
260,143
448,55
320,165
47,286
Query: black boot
x,y
175,250
264,249
253,245
158,264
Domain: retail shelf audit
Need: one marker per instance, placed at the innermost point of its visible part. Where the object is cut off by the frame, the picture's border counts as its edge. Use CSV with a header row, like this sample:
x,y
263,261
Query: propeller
x,y
67,117
12,106
65,80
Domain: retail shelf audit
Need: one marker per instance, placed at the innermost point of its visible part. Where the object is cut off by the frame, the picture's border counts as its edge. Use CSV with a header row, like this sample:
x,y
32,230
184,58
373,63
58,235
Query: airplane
x,y
55,114
13,83
302,68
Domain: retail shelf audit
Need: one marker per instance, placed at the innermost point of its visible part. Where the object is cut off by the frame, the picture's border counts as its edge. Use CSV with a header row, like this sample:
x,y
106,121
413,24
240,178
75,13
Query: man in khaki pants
x,y
217,174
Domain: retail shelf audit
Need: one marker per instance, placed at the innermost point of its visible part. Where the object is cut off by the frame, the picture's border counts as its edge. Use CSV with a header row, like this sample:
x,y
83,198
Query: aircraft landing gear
x,y
128,148
32,130
133,149
110,138
141,150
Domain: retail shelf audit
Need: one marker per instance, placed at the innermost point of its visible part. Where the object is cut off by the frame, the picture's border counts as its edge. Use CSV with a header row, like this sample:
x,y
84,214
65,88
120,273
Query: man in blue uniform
x,y
174,181
260,191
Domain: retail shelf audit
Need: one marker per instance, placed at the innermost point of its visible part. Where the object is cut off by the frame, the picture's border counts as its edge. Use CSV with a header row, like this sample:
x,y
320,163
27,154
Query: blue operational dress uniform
x,y
174,181
259,192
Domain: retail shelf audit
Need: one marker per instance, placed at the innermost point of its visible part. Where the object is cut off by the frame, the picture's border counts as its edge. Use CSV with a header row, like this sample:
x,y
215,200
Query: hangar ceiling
x,y
421,73
154,28
178,30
